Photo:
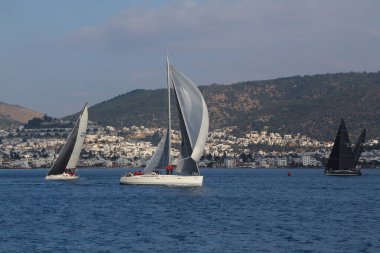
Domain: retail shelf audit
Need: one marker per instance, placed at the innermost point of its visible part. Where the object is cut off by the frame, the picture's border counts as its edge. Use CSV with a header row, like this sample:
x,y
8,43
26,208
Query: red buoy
x,y
289,174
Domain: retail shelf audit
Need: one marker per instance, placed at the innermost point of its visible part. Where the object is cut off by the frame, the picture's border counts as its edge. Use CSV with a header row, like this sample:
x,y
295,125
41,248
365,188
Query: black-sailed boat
x,y
343,161
64,167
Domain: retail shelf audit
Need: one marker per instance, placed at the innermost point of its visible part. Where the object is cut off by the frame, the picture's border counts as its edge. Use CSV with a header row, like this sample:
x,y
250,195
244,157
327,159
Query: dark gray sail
x,y
64,156
333,161
59,165
341,157
358,149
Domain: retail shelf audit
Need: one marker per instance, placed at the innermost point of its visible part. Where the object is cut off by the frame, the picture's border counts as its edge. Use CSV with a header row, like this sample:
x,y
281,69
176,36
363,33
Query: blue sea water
x,y
236,210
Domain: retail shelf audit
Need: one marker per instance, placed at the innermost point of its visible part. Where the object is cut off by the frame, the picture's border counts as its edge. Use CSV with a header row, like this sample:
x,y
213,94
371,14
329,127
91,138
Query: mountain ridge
x,y
15,114
309,104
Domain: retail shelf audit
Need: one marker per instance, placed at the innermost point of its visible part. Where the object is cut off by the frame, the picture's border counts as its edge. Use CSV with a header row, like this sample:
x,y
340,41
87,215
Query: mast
x,y
169,116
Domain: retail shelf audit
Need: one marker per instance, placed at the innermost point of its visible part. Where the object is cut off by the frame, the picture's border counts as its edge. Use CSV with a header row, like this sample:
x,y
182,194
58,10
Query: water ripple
x,y
235,211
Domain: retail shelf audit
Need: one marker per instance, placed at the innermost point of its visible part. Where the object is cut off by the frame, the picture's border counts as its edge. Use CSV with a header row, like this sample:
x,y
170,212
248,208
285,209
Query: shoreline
x,y
233,168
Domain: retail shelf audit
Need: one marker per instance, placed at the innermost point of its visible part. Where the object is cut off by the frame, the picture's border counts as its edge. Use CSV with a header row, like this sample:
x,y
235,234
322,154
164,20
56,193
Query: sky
x,y
56,55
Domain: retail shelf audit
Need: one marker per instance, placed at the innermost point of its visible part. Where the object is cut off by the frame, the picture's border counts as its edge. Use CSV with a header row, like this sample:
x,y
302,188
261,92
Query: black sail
x,y
333,161
346,157
60,164
341,157
359,147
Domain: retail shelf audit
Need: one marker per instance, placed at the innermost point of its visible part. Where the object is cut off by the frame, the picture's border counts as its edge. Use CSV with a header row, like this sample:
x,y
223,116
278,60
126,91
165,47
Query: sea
x,y
236,210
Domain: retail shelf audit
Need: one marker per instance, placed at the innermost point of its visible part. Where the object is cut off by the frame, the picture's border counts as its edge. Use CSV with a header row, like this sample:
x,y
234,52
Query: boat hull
x,y
167,180
343,173
63,176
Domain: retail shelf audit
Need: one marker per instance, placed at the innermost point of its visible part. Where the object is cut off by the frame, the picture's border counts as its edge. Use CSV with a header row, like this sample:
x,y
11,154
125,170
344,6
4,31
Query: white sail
x,y
79,139
194,120
160,157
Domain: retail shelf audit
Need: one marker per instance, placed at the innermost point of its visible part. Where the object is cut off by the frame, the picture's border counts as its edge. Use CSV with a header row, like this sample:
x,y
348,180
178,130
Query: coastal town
x,y
23,147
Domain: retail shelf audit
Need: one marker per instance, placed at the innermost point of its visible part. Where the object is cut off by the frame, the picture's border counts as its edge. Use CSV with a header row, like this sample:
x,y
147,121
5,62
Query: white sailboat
x,y
194,123
64,167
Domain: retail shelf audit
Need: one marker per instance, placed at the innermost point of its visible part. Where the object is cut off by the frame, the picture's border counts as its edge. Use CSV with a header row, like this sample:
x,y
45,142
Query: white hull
x,y
63,176
168,180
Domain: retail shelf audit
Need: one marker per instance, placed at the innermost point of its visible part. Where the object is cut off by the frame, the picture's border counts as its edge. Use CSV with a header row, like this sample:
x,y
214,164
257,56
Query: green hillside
x,y
311,105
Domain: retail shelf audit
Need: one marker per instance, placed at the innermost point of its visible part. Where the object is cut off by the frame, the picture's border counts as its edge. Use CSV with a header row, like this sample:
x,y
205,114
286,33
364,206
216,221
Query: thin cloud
x,y
207,25
217,25
212,41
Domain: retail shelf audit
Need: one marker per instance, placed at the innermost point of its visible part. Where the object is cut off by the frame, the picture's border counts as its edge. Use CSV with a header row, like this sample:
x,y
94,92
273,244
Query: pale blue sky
x,y
56,55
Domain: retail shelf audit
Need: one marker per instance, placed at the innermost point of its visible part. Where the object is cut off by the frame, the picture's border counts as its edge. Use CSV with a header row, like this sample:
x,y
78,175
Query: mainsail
x,y
341,157
69,155
193,118
359,147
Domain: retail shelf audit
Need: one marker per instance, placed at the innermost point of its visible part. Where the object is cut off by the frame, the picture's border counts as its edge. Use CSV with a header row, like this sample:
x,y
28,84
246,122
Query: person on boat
x,y
70,172
171,169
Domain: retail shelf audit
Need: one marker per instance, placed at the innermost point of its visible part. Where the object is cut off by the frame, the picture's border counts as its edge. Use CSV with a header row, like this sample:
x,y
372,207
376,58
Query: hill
x,y
15,114
311,105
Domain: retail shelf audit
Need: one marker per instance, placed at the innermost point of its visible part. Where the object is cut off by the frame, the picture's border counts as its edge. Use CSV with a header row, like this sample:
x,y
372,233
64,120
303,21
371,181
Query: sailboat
x,y
64,167
194,124
343,161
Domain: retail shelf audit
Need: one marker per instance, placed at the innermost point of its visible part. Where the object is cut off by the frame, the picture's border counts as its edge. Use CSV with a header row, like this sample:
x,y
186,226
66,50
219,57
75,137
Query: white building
x,y
281,162
229,163
306,160
310,161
